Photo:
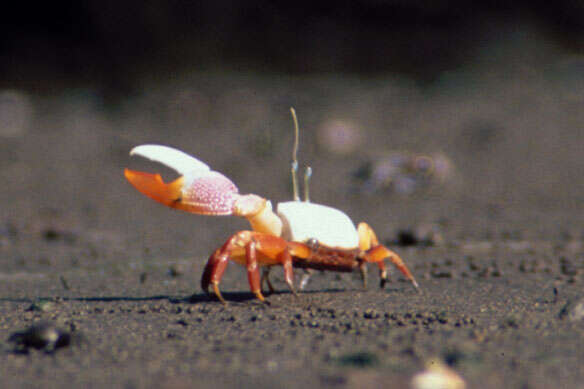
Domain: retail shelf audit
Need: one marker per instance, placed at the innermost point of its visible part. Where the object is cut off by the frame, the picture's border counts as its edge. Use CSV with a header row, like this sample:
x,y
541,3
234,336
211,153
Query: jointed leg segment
x,y
372,251
213,272
253,271
266,279
252,249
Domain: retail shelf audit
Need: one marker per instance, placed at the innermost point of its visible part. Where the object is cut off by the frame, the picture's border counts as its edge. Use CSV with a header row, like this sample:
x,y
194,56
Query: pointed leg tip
x,y
416,286
260,296
218,293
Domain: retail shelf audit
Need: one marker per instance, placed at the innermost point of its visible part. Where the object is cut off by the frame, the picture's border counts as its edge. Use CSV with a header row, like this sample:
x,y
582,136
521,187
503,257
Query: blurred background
x,y
455,117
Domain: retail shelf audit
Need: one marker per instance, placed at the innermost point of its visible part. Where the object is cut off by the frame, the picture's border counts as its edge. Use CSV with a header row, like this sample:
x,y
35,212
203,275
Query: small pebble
x,y
41,336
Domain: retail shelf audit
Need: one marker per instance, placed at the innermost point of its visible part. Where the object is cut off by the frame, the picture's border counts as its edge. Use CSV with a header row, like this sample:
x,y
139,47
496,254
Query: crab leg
x,y
266,279
305,278
214,272
375,252
379,253
363,271
286,259
253,271
288,274
251,249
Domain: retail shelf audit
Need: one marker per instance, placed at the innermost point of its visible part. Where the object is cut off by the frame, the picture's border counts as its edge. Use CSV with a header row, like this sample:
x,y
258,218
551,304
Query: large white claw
x,y
198,190
177,160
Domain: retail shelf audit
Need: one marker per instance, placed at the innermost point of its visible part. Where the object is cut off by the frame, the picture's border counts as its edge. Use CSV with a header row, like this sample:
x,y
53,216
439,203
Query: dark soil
x,y
496,244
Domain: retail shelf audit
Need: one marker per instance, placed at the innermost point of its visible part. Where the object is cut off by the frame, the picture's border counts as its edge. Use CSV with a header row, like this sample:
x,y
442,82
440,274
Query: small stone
x,y
41,336
176,270
41,306
371,314
573,311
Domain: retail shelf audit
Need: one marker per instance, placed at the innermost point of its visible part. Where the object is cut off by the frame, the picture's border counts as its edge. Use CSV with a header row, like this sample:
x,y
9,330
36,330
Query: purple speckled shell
x,y
210,194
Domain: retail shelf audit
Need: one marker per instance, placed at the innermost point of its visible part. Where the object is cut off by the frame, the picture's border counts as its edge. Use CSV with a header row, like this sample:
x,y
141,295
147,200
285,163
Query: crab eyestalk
x,y
307,175
294,169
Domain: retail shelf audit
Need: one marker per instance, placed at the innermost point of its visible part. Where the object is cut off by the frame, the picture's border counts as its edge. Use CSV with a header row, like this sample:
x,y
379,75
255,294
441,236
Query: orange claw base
x,y
152,186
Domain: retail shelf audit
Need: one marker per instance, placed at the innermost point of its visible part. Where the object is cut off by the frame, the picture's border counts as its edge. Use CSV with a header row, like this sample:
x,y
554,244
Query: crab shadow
x,y
248,296
196,298
242,297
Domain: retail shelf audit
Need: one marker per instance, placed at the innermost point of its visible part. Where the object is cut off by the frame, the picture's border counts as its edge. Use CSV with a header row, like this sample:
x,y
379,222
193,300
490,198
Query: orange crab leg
x,y
367,237
375,252
253,271
251,249
295,249
379,253
286,259
213,272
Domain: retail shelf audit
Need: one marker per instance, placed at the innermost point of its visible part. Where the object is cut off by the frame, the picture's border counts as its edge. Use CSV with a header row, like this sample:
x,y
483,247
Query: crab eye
x,y
312,243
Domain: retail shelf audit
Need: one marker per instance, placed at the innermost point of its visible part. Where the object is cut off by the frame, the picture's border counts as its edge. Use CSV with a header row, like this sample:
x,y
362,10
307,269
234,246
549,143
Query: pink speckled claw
x,y
211,194
199,190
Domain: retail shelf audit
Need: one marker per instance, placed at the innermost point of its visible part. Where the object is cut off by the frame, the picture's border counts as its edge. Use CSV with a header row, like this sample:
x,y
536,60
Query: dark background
x,y
110,44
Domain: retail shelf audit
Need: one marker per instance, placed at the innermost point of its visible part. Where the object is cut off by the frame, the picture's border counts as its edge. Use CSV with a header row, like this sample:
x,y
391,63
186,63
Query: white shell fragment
x,y
175,159
329,226
438,376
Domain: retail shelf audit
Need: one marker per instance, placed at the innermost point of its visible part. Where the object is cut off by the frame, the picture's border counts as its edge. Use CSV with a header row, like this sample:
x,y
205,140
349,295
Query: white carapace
x,y
302,221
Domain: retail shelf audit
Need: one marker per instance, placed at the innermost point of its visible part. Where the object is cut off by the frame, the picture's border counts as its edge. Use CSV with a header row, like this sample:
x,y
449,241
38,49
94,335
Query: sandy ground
x,y
501,279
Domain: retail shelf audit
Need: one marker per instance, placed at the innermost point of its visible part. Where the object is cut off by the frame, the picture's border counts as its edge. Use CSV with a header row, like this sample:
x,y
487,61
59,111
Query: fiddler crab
x,y
299,234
